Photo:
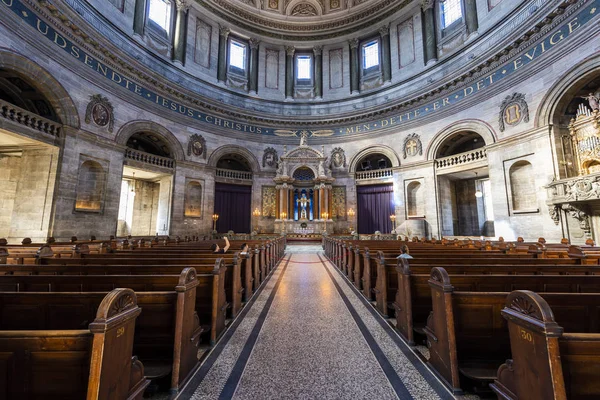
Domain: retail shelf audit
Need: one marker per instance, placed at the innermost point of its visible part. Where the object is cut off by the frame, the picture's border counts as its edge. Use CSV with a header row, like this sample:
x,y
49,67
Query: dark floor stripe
x,y
428,375
385,364
240,364
195,381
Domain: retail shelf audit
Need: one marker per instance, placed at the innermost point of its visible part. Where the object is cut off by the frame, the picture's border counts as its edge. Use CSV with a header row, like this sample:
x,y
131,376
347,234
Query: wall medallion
x,y
333,4
274,4
513,110
270,157
412,146
338,158
100,111
197,146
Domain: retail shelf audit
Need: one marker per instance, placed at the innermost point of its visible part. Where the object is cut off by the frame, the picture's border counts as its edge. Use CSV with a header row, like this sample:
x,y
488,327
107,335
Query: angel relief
x,y
304,134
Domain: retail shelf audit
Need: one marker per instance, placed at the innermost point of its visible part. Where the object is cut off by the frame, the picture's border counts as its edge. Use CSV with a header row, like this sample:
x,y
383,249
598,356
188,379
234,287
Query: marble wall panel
x,y
202,47
336,68
406,43
272,69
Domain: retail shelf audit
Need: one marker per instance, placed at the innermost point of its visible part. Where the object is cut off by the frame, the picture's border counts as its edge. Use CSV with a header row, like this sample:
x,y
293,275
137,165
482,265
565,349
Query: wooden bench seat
x,y
465,330
555,347
74,360
210,304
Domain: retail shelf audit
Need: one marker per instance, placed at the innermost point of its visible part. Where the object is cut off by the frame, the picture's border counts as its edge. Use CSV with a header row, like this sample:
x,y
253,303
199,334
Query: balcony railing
x,y
231,174
27,118
461,159
375,174
147,158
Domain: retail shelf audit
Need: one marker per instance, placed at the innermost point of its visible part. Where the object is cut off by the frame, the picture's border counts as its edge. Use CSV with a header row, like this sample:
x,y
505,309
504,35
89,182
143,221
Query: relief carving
x,y
513,110
268,201
270,157
100,111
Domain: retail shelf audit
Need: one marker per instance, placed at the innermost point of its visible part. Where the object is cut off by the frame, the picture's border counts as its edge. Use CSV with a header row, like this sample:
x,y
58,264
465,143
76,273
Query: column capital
x,y
254,43
224,31
182,5
318,50
353,43
384,30
427,4
290,50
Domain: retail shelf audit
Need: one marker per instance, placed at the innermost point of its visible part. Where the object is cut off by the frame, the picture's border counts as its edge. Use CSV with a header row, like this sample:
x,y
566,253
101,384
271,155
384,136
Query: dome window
x,y
159,15
237,55
370,53
450,11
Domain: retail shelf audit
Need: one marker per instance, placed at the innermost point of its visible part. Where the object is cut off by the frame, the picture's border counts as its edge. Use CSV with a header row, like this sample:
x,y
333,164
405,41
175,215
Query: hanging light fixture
x,y
132,184
478,193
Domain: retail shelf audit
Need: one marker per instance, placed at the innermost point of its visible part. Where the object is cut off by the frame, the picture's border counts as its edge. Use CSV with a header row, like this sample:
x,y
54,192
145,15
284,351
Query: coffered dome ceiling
x,y
303,19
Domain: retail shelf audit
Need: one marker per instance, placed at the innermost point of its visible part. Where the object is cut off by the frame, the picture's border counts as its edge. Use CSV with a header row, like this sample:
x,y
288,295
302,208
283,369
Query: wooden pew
x,y
465,320
555,345
233,279
68,363
210,302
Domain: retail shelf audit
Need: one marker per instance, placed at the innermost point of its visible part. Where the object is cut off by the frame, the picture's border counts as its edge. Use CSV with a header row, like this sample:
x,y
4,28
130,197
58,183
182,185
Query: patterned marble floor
x,y
307,334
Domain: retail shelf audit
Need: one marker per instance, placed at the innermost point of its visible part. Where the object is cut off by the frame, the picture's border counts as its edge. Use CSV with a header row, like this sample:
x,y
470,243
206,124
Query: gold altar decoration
x,y
269,208
339,202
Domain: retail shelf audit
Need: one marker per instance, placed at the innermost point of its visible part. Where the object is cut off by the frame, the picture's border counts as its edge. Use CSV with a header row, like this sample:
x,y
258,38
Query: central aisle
x,y
308,335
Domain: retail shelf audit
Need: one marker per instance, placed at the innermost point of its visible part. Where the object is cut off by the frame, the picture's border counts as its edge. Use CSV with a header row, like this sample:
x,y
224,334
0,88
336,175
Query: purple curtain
x,y
375,205
233,204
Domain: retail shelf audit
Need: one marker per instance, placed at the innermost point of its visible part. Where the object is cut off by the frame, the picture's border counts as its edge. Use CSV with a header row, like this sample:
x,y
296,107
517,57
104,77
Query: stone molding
x,y
521,43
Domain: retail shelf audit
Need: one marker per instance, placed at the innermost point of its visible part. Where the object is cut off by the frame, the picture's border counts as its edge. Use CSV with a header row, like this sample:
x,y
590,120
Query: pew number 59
x,y
120,331
526,335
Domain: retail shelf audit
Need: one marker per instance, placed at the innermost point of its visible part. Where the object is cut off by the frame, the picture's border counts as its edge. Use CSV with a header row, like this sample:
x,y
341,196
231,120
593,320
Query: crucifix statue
x,y
303,202
303,138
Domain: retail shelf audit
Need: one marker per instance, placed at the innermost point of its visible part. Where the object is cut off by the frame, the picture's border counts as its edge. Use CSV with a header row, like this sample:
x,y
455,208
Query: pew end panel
x,y
111,363
535,371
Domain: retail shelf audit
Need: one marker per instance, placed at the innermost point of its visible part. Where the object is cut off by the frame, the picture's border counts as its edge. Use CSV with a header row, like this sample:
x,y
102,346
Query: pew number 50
x,y
526,335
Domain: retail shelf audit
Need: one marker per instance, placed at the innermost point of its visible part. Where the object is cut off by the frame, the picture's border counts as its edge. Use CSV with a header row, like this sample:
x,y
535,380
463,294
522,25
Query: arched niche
x,y
459,142
386,151
415,202
148,130
52,91
522,187
193,199
234,150
234,162
473,126
304,173
91,181
294,3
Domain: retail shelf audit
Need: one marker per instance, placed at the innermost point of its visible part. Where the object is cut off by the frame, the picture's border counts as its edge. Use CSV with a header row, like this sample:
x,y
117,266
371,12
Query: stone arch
x,y
480,127
385,150
148,126
557,98
56,94
234,149
294,3
311,167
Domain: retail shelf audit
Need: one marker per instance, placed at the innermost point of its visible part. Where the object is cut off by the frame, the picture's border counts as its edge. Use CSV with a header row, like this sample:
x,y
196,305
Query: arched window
x,y
522,187
414,200
90,187
193,199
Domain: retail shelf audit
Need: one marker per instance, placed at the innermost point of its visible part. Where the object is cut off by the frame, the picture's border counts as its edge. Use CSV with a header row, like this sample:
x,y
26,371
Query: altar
x,y
304,195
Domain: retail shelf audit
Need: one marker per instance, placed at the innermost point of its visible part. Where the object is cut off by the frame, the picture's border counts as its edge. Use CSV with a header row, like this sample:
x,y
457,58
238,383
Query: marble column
x,y
222,63
318,71
429,33
471,20
289,71
386,55
290,211
316,199
139,17
179,38
354,67
253,71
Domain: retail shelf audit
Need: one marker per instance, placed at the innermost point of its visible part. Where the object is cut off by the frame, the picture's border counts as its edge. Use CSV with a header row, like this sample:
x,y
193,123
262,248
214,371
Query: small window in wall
x,y
237,56
304,69
159,15
193,199
370,56
522,187
451,12
90,187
